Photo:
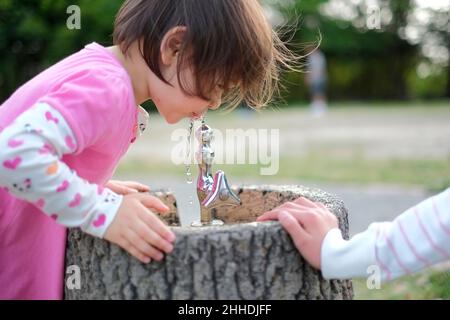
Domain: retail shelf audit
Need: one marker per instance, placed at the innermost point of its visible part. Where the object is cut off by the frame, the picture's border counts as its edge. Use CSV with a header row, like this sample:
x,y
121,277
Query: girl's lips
x,y
196,116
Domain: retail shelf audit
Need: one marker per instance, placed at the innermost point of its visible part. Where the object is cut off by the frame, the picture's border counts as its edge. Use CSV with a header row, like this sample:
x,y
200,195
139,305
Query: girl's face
x,y
170,100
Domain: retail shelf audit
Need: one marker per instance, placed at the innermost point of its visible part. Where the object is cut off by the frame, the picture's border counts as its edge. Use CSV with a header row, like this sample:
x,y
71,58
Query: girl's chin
x,y
172,120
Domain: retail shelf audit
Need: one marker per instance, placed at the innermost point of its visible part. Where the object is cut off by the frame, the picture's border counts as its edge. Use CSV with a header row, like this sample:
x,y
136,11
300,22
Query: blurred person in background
x,y
316,79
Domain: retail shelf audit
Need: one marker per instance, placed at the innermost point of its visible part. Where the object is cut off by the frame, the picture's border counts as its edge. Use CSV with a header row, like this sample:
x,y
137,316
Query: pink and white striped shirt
x,y
416,239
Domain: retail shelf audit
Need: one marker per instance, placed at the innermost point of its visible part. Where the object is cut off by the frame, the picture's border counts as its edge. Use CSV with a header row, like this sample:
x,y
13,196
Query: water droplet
x,y
188,153
189,178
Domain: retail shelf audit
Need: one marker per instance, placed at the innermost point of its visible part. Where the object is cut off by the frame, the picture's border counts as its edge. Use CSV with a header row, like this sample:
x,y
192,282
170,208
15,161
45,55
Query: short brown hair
x,y
227,41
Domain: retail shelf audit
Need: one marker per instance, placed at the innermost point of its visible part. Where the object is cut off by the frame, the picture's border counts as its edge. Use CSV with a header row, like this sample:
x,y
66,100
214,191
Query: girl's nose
x,y
214,105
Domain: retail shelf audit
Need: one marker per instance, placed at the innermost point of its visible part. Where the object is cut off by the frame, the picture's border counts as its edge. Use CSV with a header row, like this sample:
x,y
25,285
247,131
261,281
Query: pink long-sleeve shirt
x,y
93,93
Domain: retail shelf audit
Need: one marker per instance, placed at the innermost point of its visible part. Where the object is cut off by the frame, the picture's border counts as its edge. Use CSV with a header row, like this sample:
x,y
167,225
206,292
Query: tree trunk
x,y
241,260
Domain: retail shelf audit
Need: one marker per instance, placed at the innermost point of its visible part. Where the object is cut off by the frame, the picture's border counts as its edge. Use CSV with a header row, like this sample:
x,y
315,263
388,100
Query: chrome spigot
x,y
212,192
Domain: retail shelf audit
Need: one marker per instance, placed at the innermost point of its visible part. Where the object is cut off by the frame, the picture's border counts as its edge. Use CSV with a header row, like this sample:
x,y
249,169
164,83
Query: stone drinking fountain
x,y
224,255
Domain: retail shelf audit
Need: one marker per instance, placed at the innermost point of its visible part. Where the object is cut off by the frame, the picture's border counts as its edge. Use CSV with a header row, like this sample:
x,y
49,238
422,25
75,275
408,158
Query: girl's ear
x,y
171,45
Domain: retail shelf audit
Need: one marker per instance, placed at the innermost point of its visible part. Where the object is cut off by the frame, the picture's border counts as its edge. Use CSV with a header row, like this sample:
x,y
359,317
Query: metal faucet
x,y
212,192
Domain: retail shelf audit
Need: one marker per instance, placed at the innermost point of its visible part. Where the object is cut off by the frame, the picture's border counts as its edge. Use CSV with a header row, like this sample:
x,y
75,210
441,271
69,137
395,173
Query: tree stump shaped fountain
x,y
242,259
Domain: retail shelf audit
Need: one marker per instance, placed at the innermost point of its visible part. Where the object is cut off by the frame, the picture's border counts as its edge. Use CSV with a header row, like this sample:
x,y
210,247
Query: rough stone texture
x,y
241,260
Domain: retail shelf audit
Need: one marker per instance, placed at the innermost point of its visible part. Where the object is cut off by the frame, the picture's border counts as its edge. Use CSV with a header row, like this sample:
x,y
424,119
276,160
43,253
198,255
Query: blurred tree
x,y
34,35
434,31
364,62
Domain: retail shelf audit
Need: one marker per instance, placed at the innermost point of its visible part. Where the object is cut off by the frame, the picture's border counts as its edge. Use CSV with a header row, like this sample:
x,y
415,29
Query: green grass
x,y
425,285
432,174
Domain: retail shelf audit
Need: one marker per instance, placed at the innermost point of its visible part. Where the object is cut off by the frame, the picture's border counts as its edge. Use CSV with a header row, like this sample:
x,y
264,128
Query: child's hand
x,y
126,187
307,223
138,230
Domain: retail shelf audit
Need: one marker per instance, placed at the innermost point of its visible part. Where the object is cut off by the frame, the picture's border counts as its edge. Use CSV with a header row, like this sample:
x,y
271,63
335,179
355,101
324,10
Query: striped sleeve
x,y
418,238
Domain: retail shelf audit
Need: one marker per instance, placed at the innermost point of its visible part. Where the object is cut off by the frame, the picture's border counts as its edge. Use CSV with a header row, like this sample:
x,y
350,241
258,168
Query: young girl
x,y
416,239
63,132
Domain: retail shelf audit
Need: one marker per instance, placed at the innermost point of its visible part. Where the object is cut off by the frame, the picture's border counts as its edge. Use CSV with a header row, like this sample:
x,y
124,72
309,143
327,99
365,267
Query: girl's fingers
x,y
323,207
295,230
138,255
269,215
298,212
306,217
320,204
119,188
150,236
125,190
135,252
292,206
127,187
273,214
136,186
154,203
303,216
306,202
155,224
143,247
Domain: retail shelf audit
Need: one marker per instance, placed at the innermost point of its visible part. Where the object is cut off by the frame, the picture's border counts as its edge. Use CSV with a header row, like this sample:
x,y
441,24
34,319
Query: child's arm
x,y
416,239
31,169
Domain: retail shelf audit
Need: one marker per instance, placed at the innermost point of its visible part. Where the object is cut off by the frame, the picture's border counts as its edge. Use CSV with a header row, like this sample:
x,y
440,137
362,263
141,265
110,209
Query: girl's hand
x,y
307,223
138,230
126,187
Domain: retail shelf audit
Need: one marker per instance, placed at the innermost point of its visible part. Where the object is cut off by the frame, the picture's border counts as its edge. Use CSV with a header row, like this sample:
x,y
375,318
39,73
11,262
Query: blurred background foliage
x,y
406,58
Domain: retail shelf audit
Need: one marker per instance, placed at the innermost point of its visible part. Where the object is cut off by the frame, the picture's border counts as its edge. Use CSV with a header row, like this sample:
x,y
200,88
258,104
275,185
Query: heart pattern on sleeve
x,y
76,201
12,164
100,221
49,116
